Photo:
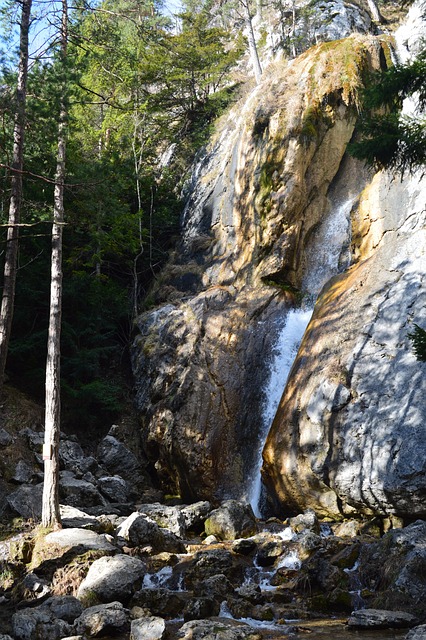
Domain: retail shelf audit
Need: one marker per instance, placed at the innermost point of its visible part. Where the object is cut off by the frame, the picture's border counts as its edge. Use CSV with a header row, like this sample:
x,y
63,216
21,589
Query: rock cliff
x,y
273,172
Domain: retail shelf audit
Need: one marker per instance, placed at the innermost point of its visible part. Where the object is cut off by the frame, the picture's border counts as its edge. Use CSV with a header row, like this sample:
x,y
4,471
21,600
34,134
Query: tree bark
x,y
11,252
375,11
50,510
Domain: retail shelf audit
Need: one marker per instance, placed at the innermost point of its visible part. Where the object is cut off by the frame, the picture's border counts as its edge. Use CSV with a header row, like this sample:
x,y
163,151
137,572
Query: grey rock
x,y
305,521
35,438
104,619
51,621
26,501
195,515
114,488
139,530
418,633
217,629
5,438
80,538
113,578
73,518
23,473
117,458
37,585
3,637
166,517
150,628
79,493
161,602
67,608
200,608
231,520
216,587
380,619
70,454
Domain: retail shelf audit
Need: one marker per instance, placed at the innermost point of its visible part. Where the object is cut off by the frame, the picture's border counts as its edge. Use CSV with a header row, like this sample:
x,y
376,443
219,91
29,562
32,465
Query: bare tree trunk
x,y
257,69
50,511
11,253
375,11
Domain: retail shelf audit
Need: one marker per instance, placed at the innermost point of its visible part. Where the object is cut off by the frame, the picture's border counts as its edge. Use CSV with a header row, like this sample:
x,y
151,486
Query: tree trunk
x,y
11,253
375,11
50,511
252,42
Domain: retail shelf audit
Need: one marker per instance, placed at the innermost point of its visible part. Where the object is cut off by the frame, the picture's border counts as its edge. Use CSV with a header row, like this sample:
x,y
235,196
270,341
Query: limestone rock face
x,y
259,192
349,432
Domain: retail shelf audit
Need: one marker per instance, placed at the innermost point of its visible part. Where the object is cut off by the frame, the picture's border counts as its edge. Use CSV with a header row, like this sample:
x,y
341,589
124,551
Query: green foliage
x,y
391,140
137,91
418,338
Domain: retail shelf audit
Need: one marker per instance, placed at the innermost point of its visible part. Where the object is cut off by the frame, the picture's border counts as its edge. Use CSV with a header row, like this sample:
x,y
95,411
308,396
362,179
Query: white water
x,y
326,257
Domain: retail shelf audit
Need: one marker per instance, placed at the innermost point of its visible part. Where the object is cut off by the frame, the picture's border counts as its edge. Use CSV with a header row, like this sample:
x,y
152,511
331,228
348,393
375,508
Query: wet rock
x,y
252,593
195,515
79,538
305,521
79,493
215,588
231,520
113,578
26,501
380,619
166,517
211,562
200,608
217,629
418,633
104,619
244,546
268,552
161,602
150,628
114,488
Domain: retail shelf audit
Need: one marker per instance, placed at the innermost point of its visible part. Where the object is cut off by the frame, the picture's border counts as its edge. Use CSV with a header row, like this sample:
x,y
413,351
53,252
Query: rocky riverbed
x,y
194,571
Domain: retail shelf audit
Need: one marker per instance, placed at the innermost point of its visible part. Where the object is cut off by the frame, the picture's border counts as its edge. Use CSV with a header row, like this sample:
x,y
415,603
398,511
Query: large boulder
x,y
51,621
26,501
113,578
139,530
380,619
170,518
104,620
149,628
231,520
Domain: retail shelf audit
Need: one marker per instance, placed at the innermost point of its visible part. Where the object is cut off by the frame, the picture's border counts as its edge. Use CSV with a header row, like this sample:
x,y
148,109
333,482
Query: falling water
x,y
328,254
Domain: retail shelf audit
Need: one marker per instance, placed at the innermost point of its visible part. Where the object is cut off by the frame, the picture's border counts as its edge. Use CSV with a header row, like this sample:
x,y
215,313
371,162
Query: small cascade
x,y
328,254
164,578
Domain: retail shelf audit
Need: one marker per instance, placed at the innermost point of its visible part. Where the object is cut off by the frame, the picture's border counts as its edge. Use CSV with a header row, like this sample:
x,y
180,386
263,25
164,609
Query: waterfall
x,y
328,254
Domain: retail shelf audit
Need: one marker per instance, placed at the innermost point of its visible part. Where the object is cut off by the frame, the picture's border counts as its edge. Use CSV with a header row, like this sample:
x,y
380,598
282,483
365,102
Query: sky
x,y
41,28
